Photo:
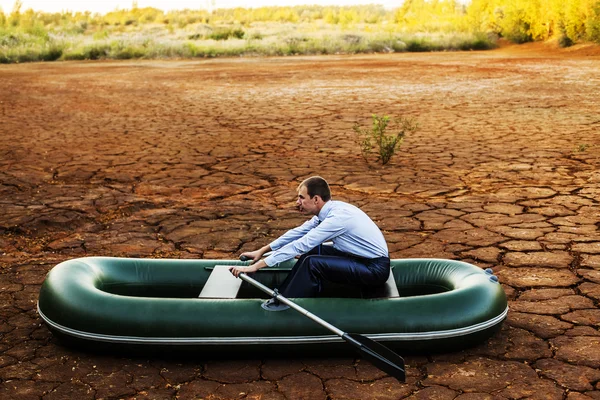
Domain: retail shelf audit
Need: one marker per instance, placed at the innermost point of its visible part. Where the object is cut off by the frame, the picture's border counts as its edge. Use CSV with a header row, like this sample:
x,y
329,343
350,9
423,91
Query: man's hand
x,y
237,270
256,254
251,255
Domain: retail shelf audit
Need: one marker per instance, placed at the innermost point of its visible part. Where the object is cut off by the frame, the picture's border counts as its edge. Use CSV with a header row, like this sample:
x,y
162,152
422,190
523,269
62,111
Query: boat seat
x,y
388,290
221,284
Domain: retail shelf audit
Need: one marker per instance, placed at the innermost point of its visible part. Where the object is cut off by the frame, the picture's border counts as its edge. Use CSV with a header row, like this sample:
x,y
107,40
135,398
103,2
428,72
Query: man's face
x,y
305,203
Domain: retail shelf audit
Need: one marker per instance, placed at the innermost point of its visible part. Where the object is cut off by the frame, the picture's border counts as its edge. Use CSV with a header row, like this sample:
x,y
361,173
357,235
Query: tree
x,y
592,21
15,15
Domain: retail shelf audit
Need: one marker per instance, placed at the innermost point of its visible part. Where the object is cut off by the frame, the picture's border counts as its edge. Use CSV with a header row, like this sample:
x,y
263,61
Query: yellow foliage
x,y
517,20
431,16
522,20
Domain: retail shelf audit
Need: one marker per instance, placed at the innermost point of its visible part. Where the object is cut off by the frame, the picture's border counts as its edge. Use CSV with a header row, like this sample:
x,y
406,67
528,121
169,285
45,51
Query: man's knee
x,y
302,258
314,264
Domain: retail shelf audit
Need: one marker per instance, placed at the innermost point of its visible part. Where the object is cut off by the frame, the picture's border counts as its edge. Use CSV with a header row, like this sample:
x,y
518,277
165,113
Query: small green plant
x,y
581,148
377,139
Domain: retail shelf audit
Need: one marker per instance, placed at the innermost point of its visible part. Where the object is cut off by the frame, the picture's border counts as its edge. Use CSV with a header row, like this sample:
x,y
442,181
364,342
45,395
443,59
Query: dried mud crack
x,y
170,159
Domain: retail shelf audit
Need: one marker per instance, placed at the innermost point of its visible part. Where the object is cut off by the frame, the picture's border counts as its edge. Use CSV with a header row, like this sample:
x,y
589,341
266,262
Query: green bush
x,y
378,140
51,52
94,51
226,33
9,39
564,40
417,45
122,50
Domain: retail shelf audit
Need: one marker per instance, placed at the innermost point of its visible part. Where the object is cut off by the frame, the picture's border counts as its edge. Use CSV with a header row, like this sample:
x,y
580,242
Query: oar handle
x,y
276,295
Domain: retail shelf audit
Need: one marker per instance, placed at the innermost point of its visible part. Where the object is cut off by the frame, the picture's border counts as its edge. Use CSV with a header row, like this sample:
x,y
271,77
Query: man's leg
x,y
291,275
332,265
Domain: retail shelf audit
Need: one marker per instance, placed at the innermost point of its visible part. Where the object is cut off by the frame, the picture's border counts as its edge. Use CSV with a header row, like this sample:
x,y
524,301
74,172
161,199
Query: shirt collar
x,y
325,210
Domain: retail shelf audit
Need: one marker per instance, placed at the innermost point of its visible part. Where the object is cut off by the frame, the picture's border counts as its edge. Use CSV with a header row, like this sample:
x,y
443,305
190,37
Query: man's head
x,y
313,193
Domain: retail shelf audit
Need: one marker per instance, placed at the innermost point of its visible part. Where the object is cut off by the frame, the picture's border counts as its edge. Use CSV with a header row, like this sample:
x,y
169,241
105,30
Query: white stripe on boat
x,y
384,337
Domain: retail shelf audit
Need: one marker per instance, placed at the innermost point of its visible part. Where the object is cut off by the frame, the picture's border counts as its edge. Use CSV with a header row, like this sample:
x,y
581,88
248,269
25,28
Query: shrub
x,y
479,42
417,45
51,52
226,33
96,51
564,40
352,39
581,148
383,143
124,51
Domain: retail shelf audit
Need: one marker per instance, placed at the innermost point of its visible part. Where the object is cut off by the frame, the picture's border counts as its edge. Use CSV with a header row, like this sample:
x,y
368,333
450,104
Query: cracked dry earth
x,y
200,159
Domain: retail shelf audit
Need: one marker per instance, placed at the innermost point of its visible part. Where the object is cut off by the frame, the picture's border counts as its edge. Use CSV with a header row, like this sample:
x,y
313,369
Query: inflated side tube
x,y
442,303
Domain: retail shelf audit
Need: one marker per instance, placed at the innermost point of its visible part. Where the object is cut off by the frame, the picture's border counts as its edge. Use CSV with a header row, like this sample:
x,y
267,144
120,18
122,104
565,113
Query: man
x,y
359,255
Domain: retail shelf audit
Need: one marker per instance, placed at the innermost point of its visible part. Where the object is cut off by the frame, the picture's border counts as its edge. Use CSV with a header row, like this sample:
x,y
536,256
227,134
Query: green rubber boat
x,y
426,305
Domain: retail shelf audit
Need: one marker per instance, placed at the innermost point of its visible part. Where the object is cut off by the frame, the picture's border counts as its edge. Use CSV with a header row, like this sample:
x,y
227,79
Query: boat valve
x,y
490,272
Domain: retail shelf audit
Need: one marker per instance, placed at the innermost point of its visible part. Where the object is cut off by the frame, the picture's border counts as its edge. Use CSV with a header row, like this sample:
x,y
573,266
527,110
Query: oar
x,y
379,355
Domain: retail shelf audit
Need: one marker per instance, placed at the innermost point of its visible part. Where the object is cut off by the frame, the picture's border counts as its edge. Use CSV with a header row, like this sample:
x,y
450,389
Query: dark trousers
x,y
326,263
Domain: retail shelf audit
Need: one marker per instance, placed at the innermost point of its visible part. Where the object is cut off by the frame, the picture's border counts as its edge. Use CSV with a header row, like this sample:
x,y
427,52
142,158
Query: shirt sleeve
x,y
316,235
294,233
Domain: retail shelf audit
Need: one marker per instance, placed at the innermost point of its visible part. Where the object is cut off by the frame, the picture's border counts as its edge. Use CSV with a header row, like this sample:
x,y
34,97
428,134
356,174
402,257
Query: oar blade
x,y
378,355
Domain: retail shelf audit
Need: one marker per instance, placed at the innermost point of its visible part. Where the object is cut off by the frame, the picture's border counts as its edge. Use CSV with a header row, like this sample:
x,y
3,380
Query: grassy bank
x,y
152,33
417,25
201,40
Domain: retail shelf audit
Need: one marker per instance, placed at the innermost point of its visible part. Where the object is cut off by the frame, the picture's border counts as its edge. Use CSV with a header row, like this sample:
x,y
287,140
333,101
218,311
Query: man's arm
x,y
329,229
294,234
284,239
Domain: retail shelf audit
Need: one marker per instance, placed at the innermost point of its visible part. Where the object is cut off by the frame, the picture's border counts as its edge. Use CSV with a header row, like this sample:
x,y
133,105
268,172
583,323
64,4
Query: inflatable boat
x,y
426,305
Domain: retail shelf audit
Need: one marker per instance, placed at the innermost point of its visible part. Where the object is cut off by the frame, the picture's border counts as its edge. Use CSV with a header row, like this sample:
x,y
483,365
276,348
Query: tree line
x,y
519,21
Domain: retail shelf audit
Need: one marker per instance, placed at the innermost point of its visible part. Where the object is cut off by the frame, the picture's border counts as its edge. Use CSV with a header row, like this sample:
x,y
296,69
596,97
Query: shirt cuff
x,y
274,245
269,261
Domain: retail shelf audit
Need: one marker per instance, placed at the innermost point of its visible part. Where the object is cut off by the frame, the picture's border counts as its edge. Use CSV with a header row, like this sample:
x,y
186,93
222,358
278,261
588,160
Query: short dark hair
x,y
315,185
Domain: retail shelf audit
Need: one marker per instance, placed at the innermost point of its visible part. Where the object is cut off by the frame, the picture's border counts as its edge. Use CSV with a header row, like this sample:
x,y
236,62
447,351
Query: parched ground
x,y
200,159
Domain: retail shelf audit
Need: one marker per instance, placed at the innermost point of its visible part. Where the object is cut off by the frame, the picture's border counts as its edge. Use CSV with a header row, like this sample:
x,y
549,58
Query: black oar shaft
x,y
378,354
